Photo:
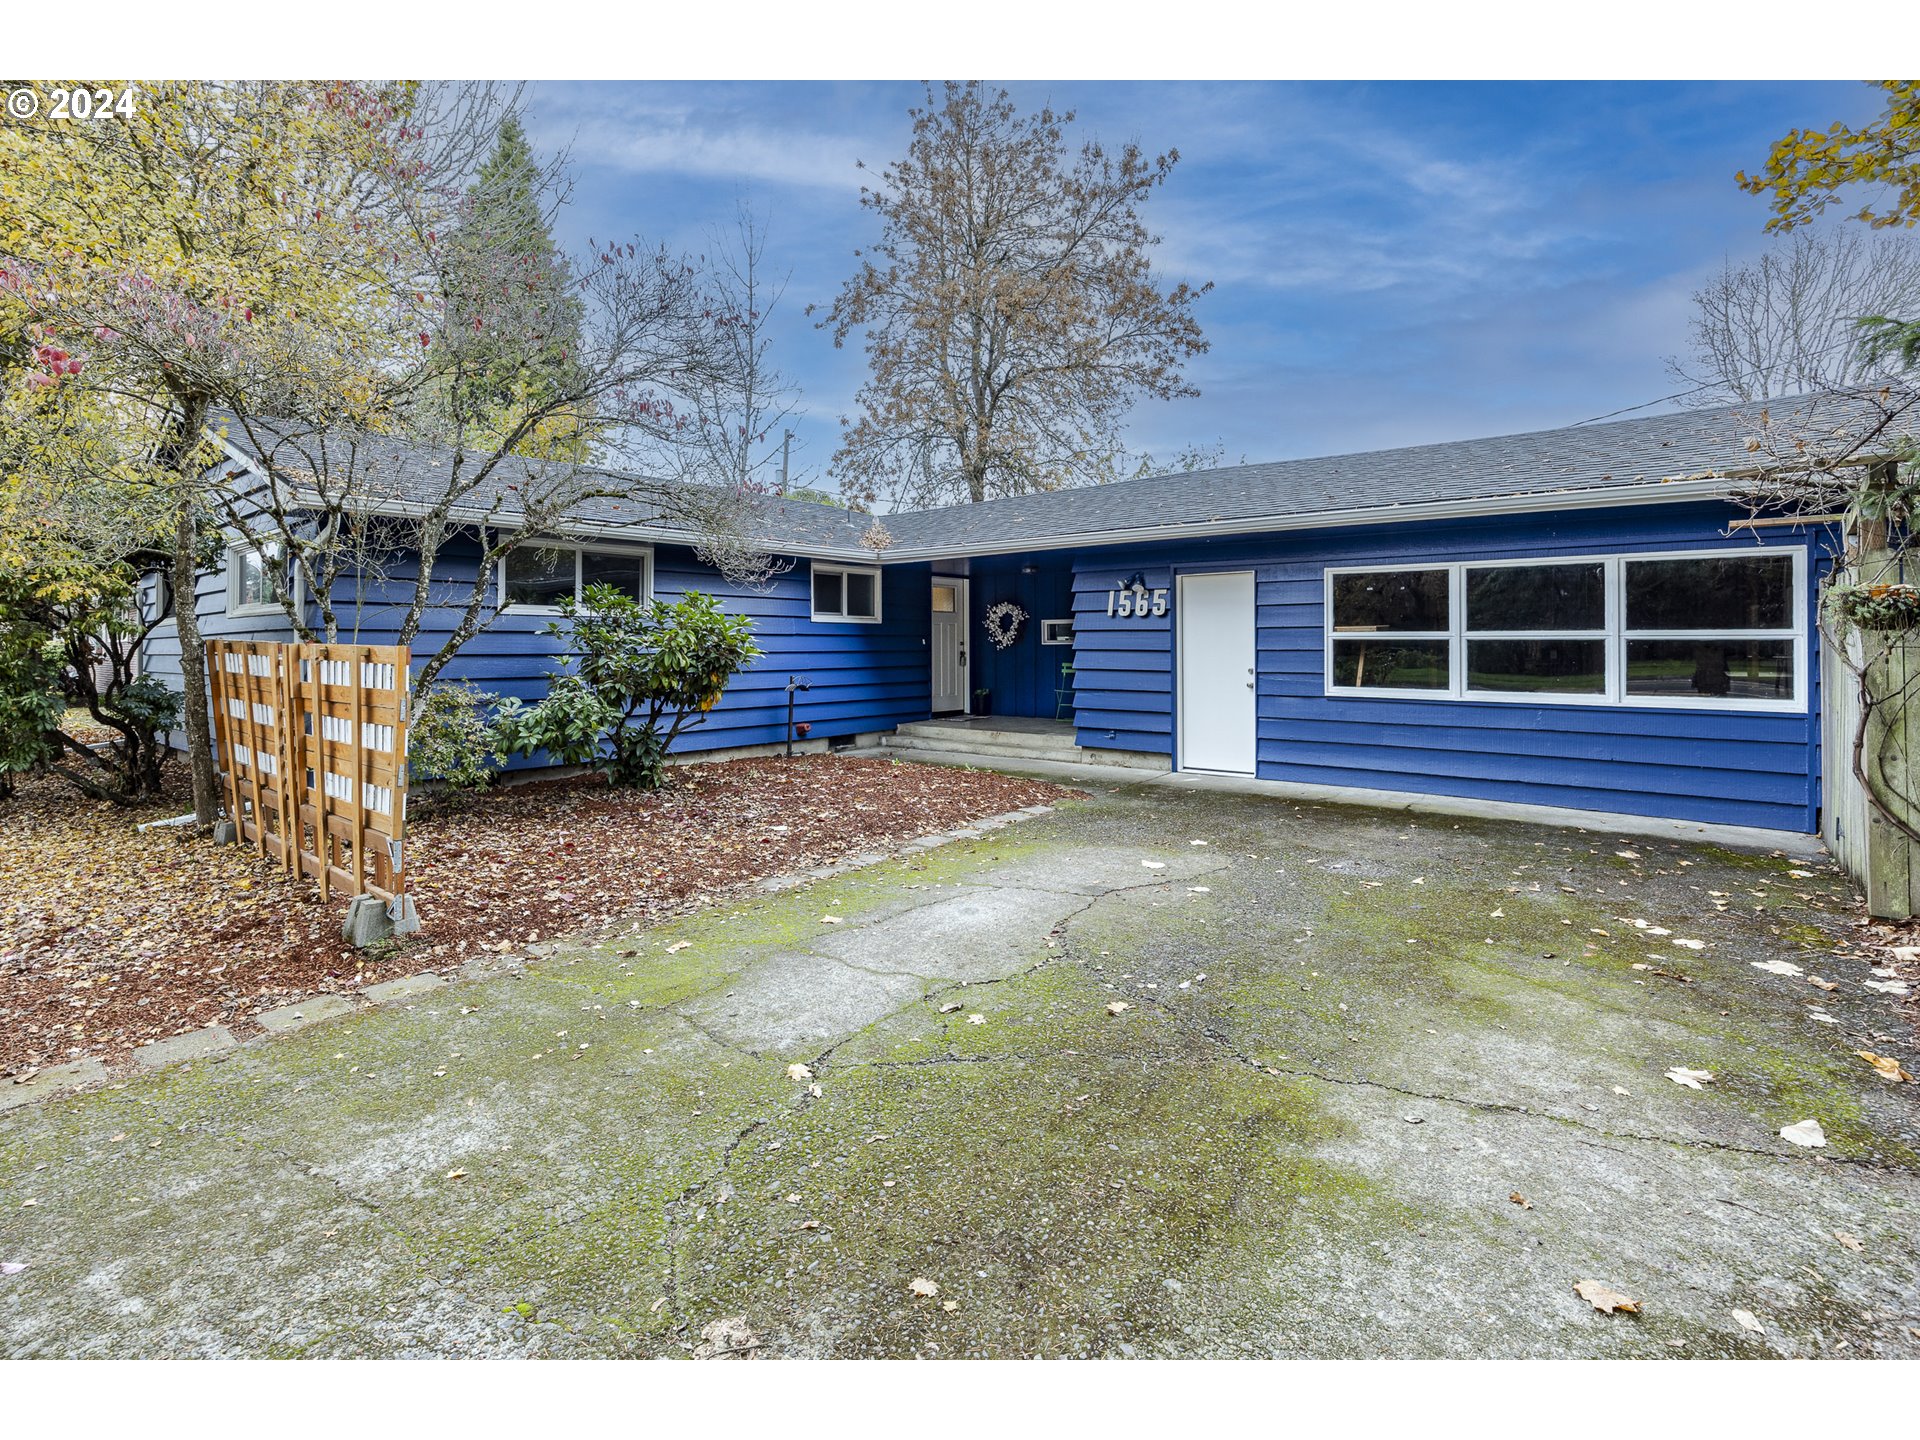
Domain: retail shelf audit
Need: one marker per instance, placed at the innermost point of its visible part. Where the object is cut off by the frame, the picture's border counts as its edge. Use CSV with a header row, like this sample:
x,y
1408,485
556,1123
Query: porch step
x,y
1027,743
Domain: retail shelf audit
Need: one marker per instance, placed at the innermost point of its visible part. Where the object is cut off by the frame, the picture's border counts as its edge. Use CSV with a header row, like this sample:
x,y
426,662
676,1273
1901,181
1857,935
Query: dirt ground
x,y
110,938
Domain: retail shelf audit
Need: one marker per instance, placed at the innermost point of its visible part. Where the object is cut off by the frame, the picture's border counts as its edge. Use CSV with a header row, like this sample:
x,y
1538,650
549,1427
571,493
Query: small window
x,y
625,573
540,576
944,599
255,578
1056,632
157,605
840,593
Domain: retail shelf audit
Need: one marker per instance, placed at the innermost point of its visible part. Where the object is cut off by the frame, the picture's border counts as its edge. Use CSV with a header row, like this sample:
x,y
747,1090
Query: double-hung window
x,y
1719,629
846,593
1536,629
1392,629
538,574
1710,628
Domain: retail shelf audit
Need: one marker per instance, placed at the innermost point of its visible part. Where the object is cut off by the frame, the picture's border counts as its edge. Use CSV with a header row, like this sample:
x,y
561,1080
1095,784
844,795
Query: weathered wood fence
x,y
313,755
1875,851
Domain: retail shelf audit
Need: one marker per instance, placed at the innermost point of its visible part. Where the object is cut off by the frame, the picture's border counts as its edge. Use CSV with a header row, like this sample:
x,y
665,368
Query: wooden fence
x,y
1876,852
313,755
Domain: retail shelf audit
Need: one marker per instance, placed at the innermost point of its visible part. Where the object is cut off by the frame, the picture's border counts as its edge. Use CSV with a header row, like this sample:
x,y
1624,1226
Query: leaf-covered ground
x,y
110,938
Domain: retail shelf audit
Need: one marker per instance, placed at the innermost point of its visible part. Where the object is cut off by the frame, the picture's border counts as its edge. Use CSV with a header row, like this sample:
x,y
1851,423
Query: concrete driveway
x,y
1164,1073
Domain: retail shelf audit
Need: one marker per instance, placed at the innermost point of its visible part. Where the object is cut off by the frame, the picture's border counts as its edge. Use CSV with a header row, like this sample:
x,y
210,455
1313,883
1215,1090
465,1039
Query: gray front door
x,y
947,641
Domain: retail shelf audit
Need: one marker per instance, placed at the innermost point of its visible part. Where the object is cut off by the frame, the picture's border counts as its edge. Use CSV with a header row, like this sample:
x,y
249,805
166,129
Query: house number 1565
x,y
1136,602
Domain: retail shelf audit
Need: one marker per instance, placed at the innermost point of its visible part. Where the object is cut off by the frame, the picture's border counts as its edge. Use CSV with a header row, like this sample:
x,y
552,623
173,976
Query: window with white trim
x,y
843,592
538,575
1721,629
256,577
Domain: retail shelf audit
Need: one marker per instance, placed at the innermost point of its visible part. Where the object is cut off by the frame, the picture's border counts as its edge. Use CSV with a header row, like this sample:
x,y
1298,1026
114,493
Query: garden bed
x,y
110,938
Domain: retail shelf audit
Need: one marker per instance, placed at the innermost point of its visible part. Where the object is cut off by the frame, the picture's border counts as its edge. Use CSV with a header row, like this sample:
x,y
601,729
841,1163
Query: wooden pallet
x,y
313,755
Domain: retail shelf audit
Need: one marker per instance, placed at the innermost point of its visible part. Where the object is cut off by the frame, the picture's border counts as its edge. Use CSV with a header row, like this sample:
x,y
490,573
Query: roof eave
x,y
1707,487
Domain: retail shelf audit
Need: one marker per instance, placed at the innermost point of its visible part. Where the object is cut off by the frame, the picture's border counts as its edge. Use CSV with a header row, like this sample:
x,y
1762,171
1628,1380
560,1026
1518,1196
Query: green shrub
x,y
643,673
453,739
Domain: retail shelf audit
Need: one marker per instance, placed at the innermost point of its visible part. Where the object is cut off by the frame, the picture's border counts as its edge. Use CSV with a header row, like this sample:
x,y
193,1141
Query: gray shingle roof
x,y
1652,451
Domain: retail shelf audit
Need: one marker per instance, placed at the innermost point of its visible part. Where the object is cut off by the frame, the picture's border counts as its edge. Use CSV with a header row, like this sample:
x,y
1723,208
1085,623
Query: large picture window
x,y
1709,629
538,575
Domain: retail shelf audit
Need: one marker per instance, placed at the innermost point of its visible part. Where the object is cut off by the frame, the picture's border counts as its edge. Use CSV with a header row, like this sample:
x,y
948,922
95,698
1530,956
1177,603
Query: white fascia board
x,y
1666,492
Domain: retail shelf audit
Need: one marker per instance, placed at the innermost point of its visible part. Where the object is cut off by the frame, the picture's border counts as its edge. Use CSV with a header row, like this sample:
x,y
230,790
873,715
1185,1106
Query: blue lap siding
x,y
862,677
1700,764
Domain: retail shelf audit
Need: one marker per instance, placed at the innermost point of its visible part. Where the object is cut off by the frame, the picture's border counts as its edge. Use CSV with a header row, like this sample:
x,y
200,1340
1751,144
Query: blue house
x,y
1580,618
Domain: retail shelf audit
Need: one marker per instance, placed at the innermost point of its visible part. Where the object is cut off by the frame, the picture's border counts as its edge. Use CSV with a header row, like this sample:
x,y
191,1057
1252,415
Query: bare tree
x,y
1010,311
1789,322
733,440
520,385
1850,460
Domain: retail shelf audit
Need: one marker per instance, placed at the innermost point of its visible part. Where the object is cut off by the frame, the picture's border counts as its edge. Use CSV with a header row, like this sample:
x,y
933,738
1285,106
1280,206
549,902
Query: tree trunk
x,y
193,654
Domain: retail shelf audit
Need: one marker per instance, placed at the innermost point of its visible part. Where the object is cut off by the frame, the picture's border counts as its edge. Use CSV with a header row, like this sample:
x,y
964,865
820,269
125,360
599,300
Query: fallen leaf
x,y
1517,1198
1889,1068
456,1174
14,1267
1749,1321
1621,1090
1605,1298
1692,1079
799,1072
950,1007
923,1287
1807,1133
831,920
952,1305
1776,967
1852,1242
654,1309
1819,984
1887,987
1118,1007
1154,864
678,946
976,1019
1628,854
1691,944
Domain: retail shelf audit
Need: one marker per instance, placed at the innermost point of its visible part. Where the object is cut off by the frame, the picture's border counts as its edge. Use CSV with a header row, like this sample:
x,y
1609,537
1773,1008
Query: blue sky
x,y
1392,263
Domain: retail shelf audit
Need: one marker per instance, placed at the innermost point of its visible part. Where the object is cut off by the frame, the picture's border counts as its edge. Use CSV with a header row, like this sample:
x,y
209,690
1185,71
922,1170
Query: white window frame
x,y
644,553
1049,635
1616,635
826,617
240,549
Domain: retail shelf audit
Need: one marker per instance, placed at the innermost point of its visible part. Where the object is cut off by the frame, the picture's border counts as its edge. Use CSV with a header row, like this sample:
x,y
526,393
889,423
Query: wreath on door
x,y
1003,623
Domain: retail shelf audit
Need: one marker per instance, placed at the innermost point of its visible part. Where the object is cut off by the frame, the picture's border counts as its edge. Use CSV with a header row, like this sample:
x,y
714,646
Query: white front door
x,y
948,642
1215,613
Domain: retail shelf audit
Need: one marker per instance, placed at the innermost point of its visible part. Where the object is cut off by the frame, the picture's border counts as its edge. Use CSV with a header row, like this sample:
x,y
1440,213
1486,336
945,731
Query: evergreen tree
x,y
512,334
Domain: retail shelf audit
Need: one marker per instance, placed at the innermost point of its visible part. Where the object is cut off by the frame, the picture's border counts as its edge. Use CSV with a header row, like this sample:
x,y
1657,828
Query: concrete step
x,y
949,742
995,742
